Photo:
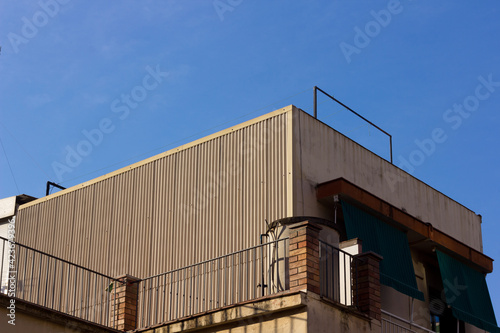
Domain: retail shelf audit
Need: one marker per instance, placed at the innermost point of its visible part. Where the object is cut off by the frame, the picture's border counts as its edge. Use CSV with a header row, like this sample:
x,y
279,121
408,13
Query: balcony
x,y
273,269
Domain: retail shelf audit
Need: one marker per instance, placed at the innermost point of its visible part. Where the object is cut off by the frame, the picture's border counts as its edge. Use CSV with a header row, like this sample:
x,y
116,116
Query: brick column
x,y
304,257
124,313
368,284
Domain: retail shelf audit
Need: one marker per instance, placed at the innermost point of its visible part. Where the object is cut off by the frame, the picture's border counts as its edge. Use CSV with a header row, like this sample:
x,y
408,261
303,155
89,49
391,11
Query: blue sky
x,y
135,78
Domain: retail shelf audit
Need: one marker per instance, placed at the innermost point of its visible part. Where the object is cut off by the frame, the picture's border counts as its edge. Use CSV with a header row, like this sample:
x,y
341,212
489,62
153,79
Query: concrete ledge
x,y
246,312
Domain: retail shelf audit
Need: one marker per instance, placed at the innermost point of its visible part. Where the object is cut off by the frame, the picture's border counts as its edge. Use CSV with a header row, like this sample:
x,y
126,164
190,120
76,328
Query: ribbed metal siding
x,y
192,205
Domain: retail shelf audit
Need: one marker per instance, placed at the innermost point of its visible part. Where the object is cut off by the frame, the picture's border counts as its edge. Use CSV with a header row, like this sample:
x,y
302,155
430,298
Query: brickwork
x,y
368,284
304,257
124,315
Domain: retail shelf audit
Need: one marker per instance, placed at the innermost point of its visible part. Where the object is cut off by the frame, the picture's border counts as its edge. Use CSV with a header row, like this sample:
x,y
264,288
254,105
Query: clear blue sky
x,y
141,77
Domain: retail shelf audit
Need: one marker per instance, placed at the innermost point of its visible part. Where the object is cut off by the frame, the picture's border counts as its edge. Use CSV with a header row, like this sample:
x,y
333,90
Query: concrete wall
x,y
324,317
283,322
322,154
31,318
288,313
27,323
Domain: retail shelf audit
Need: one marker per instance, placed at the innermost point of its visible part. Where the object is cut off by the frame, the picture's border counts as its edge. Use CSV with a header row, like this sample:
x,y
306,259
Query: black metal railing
x,y
338,275
262,270
315,106
240,276
40,278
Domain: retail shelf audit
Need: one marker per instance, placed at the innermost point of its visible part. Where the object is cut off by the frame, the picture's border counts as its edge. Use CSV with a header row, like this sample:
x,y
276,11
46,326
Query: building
x,y
277,224
8,211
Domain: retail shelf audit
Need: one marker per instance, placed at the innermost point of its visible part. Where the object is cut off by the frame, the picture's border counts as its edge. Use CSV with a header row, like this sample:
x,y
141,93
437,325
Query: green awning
x,y
396,269
467,293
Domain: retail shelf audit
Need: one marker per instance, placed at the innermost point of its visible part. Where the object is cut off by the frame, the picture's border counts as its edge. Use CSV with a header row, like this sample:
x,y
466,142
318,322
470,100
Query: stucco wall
x,y
321,154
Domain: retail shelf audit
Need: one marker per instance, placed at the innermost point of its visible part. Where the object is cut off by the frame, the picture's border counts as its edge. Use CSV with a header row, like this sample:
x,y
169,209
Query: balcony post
x,y
366,287
124,303
304,257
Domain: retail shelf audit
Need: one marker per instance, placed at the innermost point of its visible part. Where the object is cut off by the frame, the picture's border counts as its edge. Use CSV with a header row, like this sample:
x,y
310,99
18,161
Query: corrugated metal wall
x,y
202,201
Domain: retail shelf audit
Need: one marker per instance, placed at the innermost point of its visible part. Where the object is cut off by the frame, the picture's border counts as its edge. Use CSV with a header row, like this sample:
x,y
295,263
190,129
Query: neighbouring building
x,y
8,211
279,224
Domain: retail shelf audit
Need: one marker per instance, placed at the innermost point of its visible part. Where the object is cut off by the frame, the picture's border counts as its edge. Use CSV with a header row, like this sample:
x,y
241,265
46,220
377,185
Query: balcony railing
x,y
338,275
45,280
237,277
395,324
258,271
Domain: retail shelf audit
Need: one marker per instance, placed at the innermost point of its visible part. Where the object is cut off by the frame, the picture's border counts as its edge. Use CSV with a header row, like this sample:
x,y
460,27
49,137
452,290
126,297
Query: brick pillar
x,y
368,284
124,313
304,257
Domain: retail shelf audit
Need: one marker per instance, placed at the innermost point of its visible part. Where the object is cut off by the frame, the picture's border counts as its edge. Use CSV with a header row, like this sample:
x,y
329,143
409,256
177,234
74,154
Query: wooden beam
x,y
343,187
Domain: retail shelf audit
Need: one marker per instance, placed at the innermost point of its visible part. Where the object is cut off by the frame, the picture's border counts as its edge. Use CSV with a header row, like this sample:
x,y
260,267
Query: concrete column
x,y
366,289
124,314
304,257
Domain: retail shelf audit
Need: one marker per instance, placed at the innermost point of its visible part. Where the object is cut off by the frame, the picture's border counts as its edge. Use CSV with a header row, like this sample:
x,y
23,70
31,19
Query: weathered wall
x,y
323,317
296,312
293,321
31,318
322,154
190,204
27,323
285,313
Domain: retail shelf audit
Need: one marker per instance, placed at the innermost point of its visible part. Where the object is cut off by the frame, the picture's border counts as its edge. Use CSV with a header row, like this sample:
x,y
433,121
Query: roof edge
x,y
188,145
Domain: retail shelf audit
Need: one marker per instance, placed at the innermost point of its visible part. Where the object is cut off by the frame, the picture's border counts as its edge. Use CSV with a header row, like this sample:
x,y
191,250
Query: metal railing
x,y
395,324
389,326
315,93
338,275
45,280
237,277
258,271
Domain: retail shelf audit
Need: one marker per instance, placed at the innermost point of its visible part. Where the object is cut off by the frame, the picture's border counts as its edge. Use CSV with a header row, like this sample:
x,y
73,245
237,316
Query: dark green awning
x,y
467,293
396,269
